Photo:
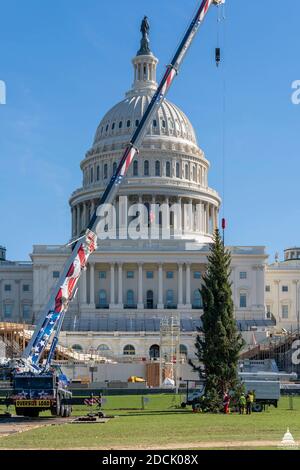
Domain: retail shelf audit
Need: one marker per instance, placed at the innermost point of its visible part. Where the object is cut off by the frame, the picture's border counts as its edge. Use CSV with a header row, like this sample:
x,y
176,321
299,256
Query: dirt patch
x,y
17,424
184,446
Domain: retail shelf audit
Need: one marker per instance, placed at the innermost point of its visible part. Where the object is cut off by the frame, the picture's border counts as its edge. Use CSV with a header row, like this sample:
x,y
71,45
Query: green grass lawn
x,y
161,423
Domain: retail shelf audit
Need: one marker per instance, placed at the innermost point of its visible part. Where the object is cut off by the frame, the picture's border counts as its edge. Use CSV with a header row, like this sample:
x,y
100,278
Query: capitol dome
x,y
170,166
119,122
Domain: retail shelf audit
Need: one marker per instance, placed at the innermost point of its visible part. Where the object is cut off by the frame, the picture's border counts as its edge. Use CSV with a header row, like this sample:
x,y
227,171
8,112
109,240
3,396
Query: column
x,y
160,287
260,286
207,217
78,220
92,285
16,314
296,303
178,219
277,283
217,217
188,286
73,221
36,288
180,297
254,287
112,286
166,233
235,275
120,285
214,218
140,287
92,207
83,288
84,216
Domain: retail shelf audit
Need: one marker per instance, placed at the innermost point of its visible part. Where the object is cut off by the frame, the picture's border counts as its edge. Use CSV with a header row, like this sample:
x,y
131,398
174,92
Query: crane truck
x,y
37,385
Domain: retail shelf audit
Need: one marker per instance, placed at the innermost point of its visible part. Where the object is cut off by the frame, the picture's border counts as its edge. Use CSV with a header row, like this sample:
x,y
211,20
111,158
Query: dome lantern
x,y
144,64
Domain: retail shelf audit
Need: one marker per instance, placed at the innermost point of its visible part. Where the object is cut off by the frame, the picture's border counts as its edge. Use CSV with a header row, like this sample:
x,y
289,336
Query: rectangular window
x,y
285,288
102,274
243,275
26,311
130,274
243,300
7,287
268,289
170,274
8,310
25,287
285,311
197,275
55,274
149,275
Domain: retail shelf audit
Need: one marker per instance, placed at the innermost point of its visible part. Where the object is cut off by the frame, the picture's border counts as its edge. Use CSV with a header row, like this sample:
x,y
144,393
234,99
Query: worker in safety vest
x,y
242,404
250,400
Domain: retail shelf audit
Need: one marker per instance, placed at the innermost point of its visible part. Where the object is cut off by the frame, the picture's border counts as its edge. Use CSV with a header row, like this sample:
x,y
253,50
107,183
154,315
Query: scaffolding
x,y
281,349
169,363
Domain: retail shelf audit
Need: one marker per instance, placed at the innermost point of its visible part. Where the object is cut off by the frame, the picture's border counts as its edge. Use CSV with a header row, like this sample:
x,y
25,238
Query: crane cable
x,y
221,40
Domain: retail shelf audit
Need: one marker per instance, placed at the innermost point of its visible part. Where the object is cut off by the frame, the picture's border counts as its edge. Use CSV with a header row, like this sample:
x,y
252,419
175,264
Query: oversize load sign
x,y
32,403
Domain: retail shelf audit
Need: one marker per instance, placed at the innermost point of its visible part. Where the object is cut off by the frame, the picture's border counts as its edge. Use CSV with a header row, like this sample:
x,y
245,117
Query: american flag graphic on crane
x,y
64,295
127,163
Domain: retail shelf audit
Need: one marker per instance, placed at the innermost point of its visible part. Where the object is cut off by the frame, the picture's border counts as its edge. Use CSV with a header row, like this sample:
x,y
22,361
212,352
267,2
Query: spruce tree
x,y
218,343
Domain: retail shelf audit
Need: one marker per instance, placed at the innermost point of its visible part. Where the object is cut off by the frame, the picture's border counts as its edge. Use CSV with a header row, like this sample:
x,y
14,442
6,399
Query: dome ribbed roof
x,y
120,122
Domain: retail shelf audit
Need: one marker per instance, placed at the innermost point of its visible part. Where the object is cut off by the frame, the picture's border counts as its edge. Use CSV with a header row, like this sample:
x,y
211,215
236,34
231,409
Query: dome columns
x,y
144,73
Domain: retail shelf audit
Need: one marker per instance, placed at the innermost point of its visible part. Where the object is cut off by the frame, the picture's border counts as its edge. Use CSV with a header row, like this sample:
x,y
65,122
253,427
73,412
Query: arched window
x,y
146,168
113,125
154,123
130,298
183,350
77,347
103,349
187,176
137,122
168,169
197,299
98,172
149,299
92,174
170,298
177,170
135,168
129,350
154,351
114,168
157,168
128,123
105,171
106,129
163,123
102,298
120,124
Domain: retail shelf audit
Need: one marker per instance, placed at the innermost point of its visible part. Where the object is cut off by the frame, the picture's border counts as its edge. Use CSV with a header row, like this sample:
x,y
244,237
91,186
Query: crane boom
x,y
65,289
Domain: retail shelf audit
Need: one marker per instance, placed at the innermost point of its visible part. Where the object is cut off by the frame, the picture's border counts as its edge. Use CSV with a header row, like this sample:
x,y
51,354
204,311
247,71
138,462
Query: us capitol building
x,y
130,285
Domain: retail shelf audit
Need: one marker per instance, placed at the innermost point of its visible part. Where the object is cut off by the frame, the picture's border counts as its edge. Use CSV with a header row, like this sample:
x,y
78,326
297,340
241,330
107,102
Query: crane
x,y
51,318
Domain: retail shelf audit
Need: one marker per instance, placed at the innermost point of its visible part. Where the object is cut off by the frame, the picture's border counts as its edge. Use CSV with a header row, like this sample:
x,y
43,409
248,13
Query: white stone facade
x,y
283,290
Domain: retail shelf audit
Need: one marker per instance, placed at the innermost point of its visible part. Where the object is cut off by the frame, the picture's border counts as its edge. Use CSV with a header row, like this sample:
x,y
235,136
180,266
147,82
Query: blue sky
x,y
65,63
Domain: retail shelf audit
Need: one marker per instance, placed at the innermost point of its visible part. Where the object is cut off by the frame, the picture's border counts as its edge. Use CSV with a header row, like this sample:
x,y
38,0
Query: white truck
x,y
267,392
